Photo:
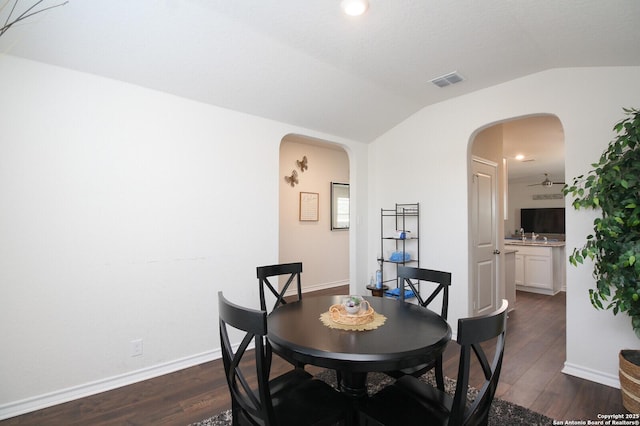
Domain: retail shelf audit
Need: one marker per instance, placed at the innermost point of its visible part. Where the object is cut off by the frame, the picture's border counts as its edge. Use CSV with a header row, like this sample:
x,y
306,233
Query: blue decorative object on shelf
x,y
397,256
395,293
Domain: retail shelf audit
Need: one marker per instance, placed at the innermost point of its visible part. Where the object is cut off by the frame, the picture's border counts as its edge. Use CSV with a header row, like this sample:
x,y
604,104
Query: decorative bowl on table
x,y
353,310
354,304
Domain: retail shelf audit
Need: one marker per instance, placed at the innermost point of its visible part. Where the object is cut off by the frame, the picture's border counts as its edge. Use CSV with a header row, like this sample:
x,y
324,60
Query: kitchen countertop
x,y
536,243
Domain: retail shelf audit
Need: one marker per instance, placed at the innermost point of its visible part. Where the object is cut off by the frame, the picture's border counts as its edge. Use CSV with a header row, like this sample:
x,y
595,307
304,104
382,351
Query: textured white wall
x,y
124,211
425,159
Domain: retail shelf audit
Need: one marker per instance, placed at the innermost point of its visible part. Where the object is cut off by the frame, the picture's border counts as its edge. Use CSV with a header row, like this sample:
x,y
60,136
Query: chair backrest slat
x,y
442,279
263,274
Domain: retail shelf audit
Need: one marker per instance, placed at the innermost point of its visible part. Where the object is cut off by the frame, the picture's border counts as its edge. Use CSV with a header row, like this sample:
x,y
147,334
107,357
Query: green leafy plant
x,y
613,187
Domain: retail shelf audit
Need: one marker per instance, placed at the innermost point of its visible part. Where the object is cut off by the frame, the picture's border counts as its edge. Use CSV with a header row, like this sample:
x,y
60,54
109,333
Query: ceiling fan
x,y
547,182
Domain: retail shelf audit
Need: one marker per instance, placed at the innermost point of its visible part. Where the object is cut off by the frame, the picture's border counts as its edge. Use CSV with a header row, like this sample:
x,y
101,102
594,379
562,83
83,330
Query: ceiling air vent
x,y
447,79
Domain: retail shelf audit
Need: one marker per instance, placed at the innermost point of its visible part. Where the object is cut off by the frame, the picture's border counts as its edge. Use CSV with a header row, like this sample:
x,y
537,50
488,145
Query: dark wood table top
x,y
411,335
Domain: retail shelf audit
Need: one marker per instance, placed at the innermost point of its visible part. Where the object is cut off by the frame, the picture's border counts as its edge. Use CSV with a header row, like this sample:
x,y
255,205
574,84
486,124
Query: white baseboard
x,y
322,286
591,375
536,290
39,402
27,405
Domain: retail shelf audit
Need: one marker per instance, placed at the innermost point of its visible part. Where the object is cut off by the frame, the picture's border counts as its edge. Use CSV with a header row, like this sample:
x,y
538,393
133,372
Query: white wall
x,y
124,211
425,159
324,253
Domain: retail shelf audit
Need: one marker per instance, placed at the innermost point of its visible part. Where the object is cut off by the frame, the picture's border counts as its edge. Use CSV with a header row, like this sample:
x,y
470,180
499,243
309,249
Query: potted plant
x,y
613,187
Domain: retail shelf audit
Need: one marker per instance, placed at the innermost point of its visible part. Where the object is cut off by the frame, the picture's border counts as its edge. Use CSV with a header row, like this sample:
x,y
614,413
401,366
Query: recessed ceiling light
x,y
354,7
519,157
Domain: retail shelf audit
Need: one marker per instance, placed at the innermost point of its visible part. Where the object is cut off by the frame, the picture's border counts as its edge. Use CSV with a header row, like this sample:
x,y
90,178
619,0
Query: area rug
x,y
501,413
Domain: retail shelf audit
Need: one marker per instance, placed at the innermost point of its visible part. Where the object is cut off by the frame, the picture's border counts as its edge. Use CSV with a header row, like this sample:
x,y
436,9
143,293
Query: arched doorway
x,y
310,239
540,139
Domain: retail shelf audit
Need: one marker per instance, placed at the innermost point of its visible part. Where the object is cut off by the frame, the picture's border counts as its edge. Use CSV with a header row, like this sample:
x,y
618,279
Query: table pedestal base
x,y
354,384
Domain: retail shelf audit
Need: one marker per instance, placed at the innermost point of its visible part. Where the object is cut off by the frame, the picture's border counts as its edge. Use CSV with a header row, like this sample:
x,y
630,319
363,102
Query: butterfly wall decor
x,y
293,179
302,164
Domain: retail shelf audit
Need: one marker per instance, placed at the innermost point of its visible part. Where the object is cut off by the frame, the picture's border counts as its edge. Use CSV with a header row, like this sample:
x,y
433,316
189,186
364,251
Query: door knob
x,y
496,251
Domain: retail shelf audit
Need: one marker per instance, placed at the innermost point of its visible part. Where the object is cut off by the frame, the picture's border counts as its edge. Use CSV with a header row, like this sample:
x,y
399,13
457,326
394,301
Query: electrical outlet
x,y
136,347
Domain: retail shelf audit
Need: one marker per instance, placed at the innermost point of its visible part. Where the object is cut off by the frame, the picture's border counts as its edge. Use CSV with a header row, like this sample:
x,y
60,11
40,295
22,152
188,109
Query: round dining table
x,y
411,335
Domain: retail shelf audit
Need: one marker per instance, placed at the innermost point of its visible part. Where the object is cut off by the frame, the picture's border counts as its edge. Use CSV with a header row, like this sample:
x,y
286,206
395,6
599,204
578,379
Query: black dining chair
x,y
293,270
410,401
417,279
294,398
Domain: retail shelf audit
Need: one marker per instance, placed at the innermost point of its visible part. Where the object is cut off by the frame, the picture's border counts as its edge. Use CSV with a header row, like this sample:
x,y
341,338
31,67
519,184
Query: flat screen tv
x,y
543,221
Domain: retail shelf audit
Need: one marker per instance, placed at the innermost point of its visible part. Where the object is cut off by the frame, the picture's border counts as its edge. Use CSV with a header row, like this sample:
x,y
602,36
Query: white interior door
x,y
485,253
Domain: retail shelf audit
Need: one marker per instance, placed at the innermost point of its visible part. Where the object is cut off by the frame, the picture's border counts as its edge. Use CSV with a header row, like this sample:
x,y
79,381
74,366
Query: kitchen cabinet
x,y
510,277
540,269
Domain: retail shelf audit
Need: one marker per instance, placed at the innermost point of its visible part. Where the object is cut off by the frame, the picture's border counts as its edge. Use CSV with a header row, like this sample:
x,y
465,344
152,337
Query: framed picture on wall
x,y
309,206
339,206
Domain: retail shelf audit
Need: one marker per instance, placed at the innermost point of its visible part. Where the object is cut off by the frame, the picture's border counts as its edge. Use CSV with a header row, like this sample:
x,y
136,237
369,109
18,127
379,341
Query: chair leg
x,y
364,420
439,374
235,413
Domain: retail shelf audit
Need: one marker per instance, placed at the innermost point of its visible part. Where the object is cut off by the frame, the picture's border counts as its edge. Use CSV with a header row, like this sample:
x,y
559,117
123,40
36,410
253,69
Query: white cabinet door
x,y
519,269
535,269
538,272
510,278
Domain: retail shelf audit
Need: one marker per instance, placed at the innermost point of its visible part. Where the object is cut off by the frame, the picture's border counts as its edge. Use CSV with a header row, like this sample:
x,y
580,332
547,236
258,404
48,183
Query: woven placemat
x,y
378,320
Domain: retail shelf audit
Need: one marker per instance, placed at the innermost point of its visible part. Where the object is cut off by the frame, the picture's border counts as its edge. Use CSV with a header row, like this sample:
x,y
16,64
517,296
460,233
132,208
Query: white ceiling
x,y
305,63
540,139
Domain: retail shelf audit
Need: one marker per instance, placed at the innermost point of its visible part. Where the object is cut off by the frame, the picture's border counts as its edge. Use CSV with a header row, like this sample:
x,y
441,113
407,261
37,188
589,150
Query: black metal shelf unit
x,y
399,240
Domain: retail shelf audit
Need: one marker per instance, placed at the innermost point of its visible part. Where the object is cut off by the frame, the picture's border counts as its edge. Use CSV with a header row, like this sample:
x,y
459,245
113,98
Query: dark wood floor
x,y
531,377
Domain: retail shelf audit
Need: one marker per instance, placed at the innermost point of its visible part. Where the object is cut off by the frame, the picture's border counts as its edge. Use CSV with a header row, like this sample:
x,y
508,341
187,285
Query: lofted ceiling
x,y
305,63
